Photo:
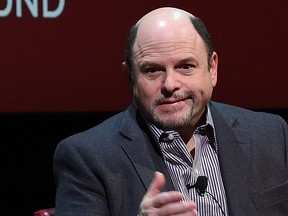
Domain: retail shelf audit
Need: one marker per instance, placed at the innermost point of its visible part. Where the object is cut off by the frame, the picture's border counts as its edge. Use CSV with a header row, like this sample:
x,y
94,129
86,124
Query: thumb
x,y
156,185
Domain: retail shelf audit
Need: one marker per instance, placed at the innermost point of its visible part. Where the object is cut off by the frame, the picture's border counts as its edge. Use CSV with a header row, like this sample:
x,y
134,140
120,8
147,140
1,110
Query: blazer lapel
x,y
234,157
141,149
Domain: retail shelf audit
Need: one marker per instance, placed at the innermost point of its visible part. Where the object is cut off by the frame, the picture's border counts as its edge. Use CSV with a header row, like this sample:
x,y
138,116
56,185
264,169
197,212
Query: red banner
x,y
60,55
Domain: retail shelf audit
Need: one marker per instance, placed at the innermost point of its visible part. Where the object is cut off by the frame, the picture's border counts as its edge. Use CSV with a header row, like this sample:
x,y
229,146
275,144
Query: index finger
x,y
156,185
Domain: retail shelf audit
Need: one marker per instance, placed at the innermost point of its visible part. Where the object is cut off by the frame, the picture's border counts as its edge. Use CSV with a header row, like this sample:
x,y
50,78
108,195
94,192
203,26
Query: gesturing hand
x,y
157,203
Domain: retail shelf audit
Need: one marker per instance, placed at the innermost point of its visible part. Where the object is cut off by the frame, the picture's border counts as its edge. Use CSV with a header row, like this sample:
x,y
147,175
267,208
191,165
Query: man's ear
x,y
128,74
125,67
214,68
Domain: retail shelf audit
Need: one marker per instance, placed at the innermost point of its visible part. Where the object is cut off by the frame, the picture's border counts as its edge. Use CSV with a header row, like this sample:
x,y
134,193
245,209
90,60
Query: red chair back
x,y
45,212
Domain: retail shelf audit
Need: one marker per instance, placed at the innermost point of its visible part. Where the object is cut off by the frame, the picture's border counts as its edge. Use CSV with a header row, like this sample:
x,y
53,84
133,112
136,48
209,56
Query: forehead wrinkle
x,y
156,48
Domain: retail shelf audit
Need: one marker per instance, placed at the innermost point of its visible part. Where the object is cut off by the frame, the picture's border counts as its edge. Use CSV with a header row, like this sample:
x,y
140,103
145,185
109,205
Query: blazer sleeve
x,y
78,188
273,200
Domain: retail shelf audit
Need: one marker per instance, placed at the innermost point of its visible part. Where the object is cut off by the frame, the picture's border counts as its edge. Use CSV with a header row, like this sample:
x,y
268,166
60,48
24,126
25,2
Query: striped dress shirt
x,y
184,169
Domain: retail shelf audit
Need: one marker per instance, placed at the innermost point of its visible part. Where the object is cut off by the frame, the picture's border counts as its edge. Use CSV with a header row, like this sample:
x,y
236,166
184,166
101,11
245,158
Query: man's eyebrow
x,y
188,59
149,63
146,63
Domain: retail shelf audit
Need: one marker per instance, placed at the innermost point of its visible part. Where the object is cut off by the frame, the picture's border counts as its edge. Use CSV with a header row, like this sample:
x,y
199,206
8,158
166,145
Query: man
x,y
155,157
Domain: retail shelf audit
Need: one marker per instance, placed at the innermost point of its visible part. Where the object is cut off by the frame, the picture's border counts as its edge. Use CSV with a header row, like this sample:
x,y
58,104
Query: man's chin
x,y
173,115
170,122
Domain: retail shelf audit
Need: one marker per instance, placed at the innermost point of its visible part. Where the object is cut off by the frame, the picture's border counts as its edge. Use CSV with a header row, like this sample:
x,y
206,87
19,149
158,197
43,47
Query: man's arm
x,y
79,191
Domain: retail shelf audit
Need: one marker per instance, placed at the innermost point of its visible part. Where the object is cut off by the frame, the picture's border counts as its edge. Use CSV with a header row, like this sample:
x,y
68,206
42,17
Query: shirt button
x,y
170,137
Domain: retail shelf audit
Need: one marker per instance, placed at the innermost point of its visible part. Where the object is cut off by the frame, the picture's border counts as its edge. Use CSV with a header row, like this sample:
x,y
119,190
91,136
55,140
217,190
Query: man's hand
x,y
157,203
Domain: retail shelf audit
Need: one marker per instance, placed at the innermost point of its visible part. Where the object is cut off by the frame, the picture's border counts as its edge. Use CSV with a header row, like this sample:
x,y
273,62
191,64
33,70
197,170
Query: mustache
x,y
173,98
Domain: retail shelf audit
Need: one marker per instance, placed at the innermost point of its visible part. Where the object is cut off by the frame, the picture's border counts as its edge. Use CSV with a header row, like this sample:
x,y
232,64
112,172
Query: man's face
x,y
171,81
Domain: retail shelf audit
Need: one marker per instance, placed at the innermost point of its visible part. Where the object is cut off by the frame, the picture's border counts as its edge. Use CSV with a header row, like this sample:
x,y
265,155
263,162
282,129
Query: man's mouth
x,y
172,101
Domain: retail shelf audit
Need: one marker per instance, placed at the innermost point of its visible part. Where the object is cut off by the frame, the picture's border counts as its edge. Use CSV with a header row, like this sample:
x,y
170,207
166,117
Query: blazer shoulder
x,y
105,134
250,117
102,130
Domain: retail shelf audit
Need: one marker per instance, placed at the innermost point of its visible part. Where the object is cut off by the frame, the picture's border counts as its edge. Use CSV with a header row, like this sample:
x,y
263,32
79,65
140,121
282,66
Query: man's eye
x,y
187,66
151,70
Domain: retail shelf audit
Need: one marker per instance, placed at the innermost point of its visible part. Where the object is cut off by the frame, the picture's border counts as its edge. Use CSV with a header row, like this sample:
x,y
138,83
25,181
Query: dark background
x,y
62,75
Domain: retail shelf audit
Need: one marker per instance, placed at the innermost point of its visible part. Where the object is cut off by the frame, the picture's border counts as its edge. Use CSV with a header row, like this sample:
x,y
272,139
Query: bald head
x,y
163,15
164,24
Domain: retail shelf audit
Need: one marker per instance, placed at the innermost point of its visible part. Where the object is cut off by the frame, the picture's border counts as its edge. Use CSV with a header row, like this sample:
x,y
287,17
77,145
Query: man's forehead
x,y
166,33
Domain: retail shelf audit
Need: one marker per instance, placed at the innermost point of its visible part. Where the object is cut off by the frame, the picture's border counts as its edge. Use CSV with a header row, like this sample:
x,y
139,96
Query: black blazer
x,y
107,169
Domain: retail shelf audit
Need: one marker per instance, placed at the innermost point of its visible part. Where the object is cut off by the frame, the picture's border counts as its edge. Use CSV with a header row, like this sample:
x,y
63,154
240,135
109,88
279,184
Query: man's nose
x,y
171,81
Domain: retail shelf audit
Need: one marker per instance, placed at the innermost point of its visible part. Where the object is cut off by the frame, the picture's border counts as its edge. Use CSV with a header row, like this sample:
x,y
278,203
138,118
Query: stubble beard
x,y
171,122
170,119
